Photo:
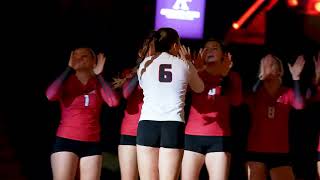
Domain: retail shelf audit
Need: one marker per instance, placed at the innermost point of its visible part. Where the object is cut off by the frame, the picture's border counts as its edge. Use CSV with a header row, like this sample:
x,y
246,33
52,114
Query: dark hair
x,y
146,45
220,42
164,38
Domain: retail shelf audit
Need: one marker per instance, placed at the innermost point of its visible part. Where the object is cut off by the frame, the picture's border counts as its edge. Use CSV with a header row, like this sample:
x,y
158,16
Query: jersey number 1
x,y
86,100
164,74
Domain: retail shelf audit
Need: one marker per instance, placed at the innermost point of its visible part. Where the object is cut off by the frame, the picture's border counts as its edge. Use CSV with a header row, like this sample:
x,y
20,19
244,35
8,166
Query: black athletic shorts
x,y
207,144
271,160
167,134
80,148
128,140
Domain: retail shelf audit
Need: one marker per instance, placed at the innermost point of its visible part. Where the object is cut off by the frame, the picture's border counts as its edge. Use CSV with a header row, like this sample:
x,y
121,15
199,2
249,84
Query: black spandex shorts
x,y
80,148
271,160
207,144
128,140
167,134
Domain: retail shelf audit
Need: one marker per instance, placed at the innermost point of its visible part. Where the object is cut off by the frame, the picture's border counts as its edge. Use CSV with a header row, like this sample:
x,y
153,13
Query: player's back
x,y
164,81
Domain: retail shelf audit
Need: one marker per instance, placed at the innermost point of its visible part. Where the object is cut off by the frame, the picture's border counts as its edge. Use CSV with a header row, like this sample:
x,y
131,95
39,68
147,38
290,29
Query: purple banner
x,y
186,16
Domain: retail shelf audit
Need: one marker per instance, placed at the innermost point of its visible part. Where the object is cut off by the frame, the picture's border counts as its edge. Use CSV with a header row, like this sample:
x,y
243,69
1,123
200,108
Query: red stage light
x,y
247,14
235,25
317,6
293,3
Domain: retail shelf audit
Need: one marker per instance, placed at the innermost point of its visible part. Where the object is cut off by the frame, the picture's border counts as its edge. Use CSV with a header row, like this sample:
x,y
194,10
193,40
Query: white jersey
x,y
164,81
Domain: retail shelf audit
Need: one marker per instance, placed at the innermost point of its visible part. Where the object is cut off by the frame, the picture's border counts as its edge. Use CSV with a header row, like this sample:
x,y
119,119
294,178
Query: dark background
x,y
37,37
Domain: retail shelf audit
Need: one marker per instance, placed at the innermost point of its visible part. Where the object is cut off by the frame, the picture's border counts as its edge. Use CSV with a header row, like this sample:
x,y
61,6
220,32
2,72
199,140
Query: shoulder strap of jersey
x,y
146,64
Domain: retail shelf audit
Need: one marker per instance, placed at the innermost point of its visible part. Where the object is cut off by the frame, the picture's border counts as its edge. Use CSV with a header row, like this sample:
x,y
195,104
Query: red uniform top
x,y
209,113
269,120
80,106
132,112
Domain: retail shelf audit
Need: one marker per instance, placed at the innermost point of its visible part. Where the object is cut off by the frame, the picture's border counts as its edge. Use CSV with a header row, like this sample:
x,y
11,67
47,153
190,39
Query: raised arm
x,y
195,82
223,70
295,70
264,72
54,90
109,96
129,86
314,91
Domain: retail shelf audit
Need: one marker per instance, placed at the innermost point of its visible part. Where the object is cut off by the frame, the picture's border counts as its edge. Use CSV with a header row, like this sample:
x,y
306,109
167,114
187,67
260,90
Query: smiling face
x,y
214,51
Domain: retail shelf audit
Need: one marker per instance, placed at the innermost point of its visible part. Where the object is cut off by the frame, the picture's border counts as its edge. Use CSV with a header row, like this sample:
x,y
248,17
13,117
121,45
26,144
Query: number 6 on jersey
x,y
164,74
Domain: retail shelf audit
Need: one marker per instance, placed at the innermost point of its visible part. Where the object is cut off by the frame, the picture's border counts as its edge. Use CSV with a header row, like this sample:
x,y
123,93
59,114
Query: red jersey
x,y
209,113
132,112
80,106
269,120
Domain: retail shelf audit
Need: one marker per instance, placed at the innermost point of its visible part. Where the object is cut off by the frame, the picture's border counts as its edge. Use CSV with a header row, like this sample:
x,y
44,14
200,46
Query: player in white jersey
x,y
164,79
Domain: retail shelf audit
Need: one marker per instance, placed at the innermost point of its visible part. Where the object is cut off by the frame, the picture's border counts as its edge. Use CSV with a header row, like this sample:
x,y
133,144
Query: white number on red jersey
x,y
271,112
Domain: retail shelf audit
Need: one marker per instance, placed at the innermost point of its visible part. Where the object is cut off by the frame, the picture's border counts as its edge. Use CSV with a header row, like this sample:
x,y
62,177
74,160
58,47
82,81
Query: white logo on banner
x,y
181,4
180,11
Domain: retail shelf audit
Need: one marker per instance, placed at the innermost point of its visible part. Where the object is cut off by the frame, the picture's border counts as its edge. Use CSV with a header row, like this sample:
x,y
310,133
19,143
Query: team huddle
x,y
158,140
